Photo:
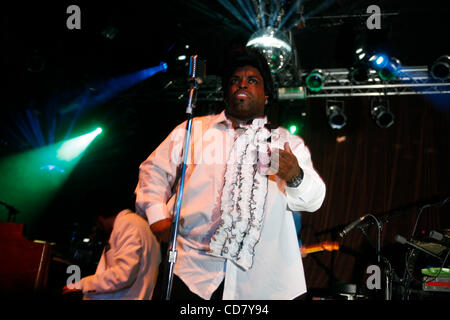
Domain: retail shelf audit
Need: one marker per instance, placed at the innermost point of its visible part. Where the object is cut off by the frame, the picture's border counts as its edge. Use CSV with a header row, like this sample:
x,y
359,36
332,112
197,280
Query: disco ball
x,y
275,46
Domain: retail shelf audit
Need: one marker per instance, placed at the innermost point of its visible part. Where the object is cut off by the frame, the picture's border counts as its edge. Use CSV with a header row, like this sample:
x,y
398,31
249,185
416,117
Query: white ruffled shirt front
x,y
271,268
243,196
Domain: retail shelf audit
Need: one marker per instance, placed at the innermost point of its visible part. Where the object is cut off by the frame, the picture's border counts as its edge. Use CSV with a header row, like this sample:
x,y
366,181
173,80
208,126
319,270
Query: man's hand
x,y
288,167
161,229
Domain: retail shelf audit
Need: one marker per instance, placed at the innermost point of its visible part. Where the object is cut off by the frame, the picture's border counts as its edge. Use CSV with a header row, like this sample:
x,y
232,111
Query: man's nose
x,y
242,84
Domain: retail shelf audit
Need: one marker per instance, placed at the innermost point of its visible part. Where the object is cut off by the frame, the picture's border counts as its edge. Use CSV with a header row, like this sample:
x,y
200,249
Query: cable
x,y
436,204
442,266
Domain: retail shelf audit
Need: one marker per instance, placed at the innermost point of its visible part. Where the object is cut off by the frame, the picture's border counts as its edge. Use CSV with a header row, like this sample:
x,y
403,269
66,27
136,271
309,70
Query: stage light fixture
x,y
110,32
163,66
315,80
360,54
440,69
378,61
293,129
390,71
383,117
336,116
359,74
274,45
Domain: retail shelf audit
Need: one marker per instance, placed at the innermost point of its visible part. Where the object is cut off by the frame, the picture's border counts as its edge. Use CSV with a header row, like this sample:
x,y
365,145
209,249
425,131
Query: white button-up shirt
x,y
128,267
277,270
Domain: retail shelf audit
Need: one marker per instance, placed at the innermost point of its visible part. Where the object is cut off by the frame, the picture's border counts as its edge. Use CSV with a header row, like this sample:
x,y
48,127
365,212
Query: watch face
x,y
295,182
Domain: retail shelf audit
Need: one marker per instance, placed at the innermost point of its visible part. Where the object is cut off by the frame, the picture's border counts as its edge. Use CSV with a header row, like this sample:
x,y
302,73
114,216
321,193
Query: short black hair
x,y
248,56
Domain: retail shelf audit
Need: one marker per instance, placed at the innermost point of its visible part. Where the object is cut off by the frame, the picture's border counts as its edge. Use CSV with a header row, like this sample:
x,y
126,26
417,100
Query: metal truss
x,y
410,81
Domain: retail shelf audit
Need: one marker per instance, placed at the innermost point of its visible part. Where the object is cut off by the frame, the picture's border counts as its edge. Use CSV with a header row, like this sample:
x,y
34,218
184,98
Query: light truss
x,y
411,81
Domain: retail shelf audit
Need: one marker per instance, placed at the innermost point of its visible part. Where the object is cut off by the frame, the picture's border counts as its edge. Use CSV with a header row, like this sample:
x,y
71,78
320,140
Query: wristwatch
x,y
295,182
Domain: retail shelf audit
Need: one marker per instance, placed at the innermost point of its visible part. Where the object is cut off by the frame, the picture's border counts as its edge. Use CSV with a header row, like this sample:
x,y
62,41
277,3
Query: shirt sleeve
x,y
309,195
126,251
157,176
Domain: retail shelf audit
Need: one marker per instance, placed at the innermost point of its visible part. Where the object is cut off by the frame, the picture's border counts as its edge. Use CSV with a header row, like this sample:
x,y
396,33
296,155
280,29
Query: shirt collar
x,y
221,118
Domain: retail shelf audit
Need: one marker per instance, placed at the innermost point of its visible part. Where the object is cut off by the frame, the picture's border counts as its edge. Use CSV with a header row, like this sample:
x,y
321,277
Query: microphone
x,y
197,73
442,239
197,70
351,226
402,240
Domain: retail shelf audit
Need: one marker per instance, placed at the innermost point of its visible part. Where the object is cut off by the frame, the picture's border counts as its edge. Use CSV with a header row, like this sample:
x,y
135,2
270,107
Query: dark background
x,y
385,172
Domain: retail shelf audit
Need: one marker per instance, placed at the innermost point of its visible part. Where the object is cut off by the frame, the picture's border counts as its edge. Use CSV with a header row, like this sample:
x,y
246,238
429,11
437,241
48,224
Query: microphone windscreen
x,y
400,239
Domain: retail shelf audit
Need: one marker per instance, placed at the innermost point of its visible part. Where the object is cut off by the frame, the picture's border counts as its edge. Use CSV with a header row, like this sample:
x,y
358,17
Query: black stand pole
x,y
195,78
386,268
12,212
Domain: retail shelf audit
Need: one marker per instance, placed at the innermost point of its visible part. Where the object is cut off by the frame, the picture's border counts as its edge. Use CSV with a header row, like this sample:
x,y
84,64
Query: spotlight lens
x,y
359,75
315,81
385,120
293,129
163,66
336,117
379,60
383,117
441,70
338,120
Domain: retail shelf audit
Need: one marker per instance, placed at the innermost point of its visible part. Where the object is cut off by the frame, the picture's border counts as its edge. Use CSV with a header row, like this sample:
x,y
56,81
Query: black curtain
x,y
390,172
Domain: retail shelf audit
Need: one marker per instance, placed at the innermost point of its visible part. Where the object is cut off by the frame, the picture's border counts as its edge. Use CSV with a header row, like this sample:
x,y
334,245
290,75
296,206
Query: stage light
x,y
360,54
359,74
440,69
274,45
383,117
98,130
378,61
390,71
163,66
293,129
292,116
336,117
110,32
315,80
73,148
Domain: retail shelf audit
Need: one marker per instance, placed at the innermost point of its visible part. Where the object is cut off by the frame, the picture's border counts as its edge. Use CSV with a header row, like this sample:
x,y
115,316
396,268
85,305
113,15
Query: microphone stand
x,y
194,81
12,212
387,273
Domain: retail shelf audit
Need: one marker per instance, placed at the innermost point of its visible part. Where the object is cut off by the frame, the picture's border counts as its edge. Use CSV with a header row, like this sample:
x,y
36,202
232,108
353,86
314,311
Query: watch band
x,y
296,181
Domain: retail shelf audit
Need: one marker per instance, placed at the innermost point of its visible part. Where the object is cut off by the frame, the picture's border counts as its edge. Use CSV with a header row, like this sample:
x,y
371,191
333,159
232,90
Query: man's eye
x,y
252,81
233,81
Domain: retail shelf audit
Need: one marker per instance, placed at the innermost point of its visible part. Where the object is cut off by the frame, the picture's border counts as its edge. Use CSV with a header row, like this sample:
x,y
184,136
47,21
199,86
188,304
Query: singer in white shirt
x,y
243,183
